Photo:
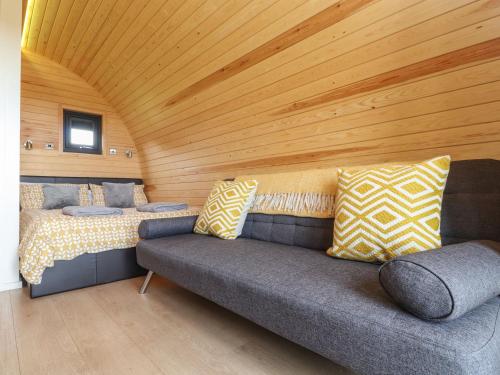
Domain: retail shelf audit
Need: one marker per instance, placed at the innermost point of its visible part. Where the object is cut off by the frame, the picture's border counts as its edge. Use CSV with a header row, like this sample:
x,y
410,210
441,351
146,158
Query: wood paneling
x,y
212,89
46,89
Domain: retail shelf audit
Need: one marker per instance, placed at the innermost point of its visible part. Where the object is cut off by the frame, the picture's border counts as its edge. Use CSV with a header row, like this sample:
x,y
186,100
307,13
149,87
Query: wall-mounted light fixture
x,y
28,145
129,153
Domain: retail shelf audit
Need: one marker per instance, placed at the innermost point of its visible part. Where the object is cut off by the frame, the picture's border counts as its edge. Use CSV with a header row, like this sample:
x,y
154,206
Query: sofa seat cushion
x,y
332,306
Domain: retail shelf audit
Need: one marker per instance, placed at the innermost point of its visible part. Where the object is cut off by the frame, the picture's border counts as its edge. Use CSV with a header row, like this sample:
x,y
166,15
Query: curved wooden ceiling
x,y
213,88
142,55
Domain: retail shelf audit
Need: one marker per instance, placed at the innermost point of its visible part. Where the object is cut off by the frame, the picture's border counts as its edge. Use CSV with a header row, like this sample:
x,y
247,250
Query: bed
x,y
59,252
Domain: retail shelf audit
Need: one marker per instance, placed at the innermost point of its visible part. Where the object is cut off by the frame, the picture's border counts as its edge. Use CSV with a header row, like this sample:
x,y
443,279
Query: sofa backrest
x,y
471,211
471,202
311,233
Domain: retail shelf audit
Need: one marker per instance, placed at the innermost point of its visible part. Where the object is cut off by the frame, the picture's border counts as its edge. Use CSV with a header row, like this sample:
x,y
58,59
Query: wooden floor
x,y
111,329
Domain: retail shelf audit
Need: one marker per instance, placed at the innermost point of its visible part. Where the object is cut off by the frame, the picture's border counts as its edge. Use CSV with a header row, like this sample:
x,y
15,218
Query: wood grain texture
x,y
463,56
305,29
46,89
9,361
213,89
111,329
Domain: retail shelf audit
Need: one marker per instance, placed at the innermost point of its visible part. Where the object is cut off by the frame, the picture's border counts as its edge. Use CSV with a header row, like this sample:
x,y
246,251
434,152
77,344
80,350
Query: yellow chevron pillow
x,y
385,212
226,209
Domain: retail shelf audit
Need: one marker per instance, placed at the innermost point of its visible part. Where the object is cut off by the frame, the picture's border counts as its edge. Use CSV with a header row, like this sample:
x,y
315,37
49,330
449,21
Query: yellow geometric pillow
x,y
98,195
226,209
385,212
31,195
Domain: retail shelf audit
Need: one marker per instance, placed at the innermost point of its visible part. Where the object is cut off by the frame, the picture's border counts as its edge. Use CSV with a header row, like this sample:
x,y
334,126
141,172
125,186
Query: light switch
x,y
112,151
49,146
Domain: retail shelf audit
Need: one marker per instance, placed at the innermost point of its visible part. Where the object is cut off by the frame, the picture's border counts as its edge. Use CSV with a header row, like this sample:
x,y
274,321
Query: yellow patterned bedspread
x,y
47,236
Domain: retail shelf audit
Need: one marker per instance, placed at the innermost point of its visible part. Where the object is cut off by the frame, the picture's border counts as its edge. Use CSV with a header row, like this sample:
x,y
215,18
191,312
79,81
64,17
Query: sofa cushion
x,y
385,212
226,208
446,283
334,307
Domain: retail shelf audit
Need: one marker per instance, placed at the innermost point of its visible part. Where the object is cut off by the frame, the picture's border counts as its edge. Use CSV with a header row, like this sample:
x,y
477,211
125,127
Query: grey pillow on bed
x,y
60,196
118,195
445,283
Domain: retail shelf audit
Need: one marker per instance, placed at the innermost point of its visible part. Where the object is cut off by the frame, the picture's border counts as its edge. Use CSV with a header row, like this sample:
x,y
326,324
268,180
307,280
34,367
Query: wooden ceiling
x,y
115,45
146,56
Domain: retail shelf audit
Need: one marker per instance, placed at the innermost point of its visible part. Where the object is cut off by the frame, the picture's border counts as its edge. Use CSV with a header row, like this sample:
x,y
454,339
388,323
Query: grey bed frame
x,y
86,269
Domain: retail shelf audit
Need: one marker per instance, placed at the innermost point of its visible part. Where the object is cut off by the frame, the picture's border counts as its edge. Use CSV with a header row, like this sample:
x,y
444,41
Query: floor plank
x,y
44,343
9,363
104,346
111,329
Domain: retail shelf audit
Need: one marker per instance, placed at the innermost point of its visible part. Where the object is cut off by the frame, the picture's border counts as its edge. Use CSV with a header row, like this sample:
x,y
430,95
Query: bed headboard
x,y
77,180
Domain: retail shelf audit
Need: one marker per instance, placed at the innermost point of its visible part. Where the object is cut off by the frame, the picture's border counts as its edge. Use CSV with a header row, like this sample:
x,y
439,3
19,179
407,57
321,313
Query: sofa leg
x,y
145,284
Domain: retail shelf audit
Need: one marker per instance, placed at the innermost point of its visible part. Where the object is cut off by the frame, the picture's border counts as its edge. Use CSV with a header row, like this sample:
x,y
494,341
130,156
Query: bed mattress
x,y
48,235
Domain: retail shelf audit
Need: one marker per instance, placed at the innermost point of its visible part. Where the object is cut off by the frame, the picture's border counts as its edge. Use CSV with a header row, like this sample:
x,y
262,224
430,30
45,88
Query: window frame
x,y
68,114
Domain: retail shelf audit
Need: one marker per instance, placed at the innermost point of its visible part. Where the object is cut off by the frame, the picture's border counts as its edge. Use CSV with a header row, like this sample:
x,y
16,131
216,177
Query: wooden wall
x,y
283,85
46,89
211,89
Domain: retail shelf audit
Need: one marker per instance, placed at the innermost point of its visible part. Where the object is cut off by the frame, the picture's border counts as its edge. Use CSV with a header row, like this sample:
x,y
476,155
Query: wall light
x,y
28,145
27,22
129,153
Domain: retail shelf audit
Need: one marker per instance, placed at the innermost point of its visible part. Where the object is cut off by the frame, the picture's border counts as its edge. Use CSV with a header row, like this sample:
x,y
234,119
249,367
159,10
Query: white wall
x,y
10,80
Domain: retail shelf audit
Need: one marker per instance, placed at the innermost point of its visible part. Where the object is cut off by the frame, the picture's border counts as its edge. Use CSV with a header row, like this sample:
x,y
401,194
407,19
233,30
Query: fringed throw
x,y
295,203
309,193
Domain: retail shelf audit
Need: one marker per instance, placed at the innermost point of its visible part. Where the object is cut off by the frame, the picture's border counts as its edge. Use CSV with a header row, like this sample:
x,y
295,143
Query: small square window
x,y
82,132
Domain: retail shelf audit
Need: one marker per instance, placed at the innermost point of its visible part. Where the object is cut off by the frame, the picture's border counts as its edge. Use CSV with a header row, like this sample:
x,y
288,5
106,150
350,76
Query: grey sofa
x,y
277,275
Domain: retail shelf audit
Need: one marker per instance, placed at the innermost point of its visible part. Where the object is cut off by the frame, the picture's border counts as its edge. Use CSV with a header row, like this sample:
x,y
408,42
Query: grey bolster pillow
x,y
445,283
157,228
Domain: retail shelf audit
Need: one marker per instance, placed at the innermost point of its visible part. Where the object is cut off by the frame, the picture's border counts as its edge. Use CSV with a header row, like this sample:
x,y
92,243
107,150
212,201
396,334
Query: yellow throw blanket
x,y
309,193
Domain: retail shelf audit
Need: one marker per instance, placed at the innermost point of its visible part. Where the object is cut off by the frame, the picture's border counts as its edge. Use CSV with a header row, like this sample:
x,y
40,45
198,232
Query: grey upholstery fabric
x,y
60,196
446,283
471,202
116,265
118,195
332,306
86,270
468,216
307,232
473,176
156,228
67,275
162,207
289,230
91,211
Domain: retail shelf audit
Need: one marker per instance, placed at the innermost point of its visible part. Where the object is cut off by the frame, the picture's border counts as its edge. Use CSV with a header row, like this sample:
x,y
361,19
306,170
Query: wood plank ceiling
x,y
213,88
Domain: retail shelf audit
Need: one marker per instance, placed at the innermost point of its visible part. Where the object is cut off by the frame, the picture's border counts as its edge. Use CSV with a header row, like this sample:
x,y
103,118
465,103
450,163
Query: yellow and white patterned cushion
x,y
385,212
139,195
31,195
226,209
98,195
